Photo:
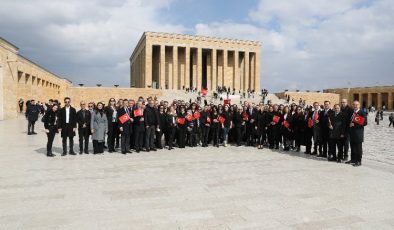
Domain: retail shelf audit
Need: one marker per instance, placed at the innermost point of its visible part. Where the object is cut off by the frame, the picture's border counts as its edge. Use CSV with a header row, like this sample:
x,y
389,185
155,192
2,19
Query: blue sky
x,y
191,12
307,45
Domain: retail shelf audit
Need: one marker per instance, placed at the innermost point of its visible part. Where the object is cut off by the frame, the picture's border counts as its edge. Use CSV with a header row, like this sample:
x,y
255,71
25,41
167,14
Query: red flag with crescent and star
x,y
189,117
180,120
358,119
124,118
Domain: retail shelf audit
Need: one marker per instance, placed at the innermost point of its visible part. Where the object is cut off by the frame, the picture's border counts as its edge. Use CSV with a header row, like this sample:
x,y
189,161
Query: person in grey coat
x,y
99,126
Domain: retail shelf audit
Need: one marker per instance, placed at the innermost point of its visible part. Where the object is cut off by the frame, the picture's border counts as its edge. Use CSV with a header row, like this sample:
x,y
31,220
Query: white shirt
x,y
114,114
67,115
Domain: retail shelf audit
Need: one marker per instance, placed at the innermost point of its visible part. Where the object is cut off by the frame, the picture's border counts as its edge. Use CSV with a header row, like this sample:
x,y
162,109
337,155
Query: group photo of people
x,y
126,125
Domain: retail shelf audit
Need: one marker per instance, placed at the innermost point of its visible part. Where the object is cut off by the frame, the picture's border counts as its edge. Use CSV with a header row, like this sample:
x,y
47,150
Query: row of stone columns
x,y
379,99
240,75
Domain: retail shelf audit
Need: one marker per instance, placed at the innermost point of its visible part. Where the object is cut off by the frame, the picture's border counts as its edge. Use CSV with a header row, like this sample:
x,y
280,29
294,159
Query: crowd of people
x,y
148,125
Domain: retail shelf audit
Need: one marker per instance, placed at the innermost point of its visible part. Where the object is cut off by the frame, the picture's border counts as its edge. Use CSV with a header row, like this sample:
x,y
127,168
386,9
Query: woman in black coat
x,y
299,128
215,126
286,129
277,126
161,126
181,130
50,124
262,126
271,127
171,126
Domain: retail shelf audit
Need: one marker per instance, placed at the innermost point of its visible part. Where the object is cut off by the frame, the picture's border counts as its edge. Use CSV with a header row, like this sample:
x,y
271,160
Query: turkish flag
x,y
137,112
124,118
245,117
221,119
276,119
286,124
189,117
204,91
180,121
227,101
310,123
358,119
197,115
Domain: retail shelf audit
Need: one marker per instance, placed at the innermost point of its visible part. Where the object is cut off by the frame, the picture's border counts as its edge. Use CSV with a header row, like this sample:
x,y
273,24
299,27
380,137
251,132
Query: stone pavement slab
x,y
192,188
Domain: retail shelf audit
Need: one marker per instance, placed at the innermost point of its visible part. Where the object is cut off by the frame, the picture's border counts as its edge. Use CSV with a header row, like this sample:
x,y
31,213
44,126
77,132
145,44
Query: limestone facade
x,y
310,97
376,96
22,78
175,61
103,94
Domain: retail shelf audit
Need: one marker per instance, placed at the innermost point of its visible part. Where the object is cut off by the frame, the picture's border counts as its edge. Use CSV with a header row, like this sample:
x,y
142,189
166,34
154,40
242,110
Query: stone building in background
x,y
175,61
377,96
20,78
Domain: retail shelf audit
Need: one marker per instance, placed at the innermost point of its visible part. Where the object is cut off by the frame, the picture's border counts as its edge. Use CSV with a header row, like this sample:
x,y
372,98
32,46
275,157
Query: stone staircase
x,y
170,95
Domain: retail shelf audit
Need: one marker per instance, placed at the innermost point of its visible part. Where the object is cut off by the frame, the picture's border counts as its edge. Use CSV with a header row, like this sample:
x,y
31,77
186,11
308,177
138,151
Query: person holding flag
x,y
356,132
286,129
277,119
193,119
182,125
139,126
125,126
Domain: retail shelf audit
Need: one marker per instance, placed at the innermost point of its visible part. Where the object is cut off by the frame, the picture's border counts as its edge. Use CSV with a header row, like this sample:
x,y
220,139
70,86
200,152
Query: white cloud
x,y
306,44
86,41
319,44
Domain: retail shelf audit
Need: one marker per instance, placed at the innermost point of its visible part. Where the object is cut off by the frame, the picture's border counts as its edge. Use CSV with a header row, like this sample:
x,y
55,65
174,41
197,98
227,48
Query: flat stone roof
x,y
201,38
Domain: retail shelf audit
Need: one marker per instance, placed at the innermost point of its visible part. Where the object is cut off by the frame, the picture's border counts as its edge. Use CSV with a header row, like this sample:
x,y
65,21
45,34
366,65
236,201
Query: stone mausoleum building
x,y
175,61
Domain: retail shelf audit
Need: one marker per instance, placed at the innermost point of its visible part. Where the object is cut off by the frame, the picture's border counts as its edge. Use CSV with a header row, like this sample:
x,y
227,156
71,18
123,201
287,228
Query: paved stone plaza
x,y
210,188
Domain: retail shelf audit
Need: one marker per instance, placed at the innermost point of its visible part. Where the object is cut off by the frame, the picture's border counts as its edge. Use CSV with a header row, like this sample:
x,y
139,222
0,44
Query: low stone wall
x,y
103,94
310,97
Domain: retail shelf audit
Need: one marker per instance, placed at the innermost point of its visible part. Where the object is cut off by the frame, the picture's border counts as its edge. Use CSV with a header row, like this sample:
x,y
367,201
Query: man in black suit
x,y
125,127
250,125
347,112
83,120
32,111
337,125
151,122
323,121
356,132
67,125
